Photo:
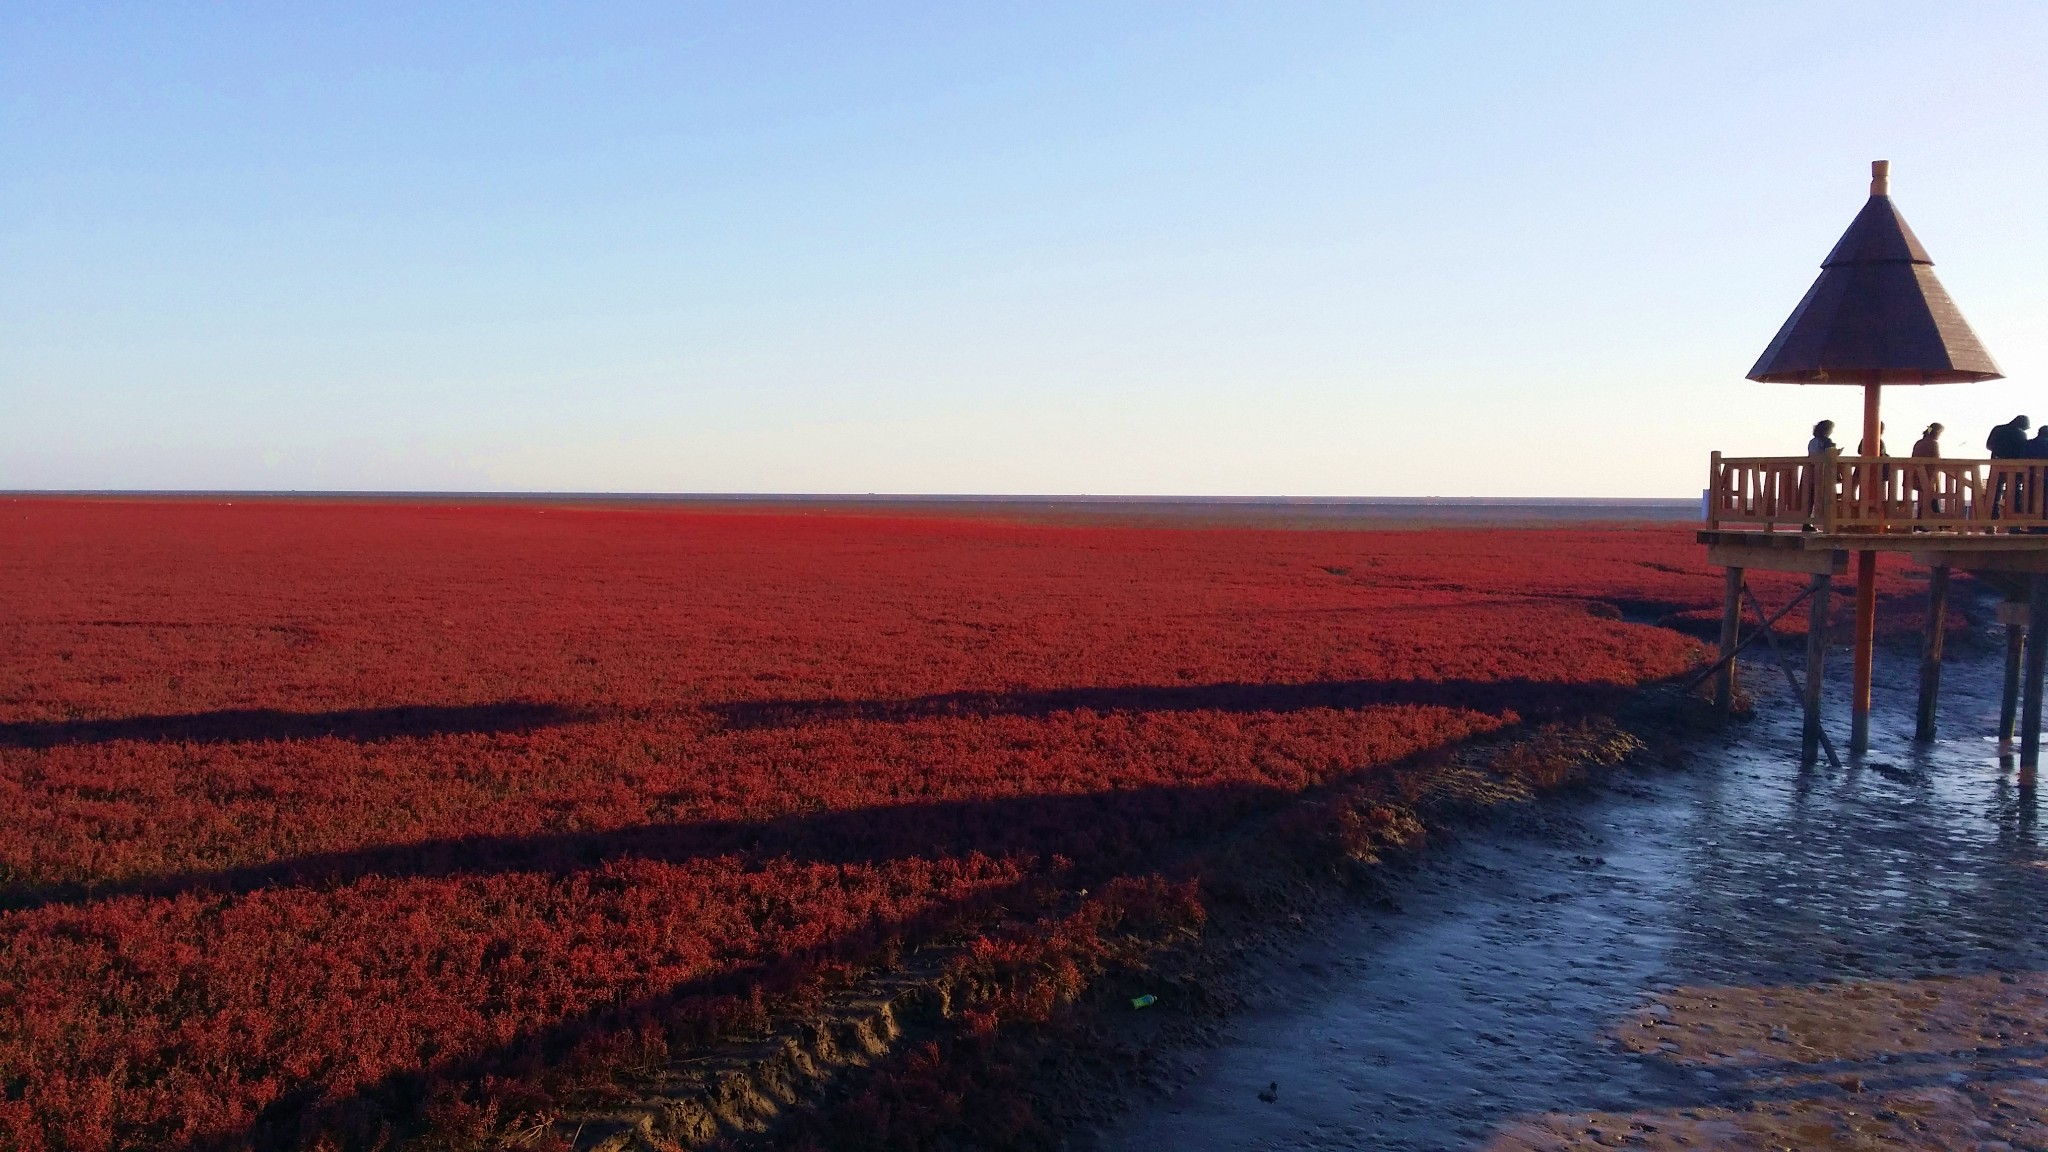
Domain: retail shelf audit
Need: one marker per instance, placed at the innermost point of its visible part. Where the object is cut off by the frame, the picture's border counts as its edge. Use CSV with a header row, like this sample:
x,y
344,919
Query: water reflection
x,y
1866,957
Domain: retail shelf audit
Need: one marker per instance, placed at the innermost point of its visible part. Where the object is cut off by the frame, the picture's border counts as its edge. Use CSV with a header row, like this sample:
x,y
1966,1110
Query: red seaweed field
x,y
326,823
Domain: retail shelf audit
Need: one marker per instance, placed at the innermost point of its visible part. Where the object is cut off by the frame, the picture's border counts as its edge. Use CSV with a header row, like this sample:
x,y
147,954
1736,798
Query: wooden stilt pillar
x,y
1930,652
2013,615
2037,664
1731,635
1816,665
1870,493
1866,643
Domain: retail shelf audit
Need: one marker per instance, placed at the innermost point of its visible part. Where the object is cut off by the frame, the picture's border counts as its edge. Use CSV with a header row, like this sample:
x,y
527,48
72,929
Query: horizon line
x,y
878,497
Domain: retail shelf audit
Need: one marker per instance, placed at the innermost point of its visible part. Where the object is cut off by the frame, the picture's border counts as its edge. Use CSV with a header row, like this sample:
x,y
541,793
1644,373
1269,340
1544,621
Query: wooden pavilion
x,y
1878,316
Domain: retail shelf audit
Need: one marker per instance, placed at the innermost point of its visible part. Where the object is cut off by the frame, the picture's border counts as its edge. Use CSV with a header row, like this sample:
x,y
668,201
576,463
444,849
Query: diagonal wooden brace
x,y
1780,614
1798,689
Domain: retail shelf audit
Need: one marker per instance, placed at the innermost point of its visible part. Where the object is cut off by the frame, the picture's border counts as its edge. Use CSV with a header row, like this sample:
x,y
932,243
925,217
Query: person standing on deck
x,y
1823,438
1823,442
2035,449
2008,441
1926,487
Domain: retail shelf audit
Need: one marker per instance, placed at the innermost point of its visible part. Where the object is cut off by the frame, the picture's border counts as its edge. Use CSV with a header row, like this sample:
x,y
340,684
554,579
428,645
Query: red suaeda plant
x,y
312,810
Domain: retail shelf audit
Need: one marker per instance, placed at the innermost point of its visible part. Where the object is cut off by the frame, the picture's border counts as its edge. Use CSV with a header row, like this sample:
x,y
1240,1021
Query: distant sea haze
x,y
1279,511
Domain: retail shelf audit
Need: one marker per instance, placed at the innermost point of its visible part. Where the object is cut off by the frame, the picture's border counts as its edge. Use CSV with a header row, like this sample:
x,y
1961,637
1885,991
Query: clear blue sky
x,y
1258,248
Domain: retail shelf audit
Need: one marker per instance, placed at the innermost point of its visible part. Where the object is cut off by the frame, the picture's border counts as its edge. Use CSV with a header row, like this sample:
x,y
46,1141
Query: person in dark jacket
x,y
2009,440
2036,449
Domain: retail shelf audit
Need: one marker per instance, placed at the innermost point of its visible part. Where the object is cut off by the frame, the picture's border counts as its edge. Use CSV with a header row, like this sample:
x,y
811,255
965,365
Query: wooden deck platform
x,y
1819,553
1808,514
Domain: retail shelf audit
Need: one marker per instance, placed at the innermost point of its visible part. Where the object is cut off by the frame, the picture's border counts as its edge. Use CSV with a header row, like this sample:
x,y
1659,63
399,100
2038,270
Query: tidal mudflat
x,y
1736,954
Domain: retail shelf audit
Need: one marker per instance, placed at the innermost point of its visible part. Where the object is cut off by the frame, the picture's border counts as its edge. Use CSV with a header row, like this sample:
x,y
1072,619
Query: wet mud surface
x,y
1735,954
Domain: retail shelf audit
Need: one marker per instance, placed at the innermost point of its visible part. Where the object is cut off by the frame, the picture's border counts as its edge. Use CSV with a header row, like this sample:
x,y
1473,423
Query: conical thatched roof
x,y
1876,306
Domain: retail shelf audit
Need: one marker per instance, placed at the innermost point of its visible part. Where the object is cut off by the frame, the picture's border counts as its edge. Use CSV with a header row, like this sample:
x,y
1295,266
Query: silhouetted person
x,y
1928,446
2008,441
1863,446
1823,438
2035,449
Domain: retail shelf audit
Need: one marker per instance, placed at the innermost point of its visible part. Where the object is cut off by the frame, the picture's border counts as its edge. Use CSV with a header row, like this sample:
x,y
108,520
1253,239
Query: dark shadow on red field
x,y
1077,826
1071,845
1068,843
247,725
686,1024
1107,828
1087,841
1526,698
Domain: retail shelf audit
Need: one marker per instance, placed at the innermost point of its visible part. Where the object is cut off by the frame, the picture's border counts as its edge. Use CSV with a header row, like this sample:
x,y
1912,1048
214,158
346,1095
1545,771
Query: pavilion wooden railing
x,y
1837,493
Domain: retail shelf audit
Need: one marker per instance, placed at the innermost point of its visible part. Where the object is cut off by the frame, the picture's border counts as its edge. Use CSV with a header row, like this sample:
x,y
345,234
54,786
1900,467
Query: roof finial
x,y
1880,177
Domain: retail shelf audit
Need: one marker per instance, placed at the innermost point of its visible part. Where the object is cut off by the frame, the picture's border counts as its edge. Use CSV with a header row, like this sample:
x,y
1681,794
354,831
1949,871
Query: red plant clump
x,y
311,810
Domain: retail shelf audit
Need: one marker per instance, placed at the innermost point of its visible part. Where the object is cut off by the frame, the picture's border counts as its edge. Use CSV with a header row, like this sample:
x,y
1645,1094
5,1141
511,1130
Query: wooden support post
x,y
2009,699
1930,652
2030,708
1869,492
1866,643
1731,636
1791,680
1816,664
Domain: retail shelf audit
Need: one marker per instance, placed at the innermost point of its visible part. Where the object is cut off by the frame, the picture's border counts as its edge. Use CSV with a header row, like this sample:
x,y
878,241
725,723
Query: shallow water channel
x,y
1737,953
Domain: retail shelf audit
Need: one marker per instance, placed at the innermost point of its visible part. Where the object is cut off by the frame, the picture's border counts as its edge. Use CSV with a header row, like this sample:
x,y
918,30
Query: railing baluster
x,y
1883,494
